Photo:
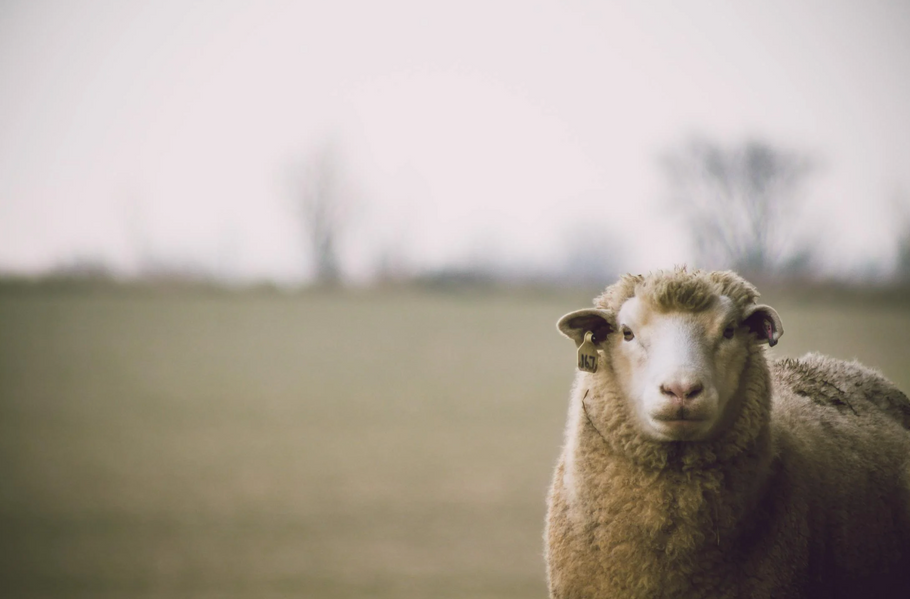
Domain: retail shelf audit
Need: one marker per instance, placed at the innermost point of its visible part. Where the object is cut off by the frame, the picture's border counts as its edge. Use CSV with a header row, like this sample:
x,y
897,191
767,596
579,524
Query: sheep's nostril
x,y
694,390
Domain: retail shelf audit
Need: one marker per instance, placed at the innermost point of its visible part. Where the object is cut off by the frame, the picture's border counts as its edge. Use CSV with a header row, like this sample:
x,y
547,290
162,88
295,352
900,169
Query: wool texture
x,y
805,494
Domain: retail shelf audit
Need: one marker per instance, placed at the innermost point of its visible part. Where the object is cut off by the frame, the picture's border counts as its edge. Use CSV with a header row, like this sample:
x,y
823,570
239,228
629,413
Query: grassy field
x,y
371,444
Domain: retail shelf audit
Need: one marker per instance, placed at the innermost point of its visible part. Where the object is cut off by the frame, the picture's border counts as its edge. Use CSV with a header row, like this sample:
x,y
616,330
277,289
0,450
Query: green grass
x,y
376,444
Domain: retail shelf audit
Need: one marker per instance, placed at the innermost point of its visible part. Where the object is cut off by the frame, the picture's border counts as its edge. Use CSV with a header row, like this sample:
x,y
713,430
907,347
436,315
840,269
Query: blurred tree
x,y
323,207
83,266
740,203
902,219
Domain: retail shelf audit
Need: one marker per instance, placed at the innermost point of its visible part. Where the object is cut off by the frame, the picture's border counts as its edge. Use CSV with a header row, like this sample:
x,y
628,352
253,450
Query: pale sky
x,y
500,132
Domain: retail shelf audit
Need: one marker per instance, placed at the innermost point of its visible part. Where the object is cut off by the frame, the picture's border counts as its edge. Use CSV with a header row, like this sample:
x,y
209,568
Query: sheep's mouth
x,y
680,425
679,416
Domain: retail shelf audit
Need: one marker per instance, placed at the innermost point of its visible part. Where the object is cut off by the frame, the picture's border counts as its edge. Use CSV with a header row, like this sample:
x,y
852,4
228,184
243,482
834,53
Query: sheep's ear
x,y
575,324
764,322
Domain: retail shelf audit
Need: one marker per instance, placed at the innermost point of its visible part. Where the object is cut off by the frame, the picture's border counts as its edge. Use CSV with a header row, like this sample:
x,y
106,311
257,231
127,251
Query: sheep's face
x,y
678,370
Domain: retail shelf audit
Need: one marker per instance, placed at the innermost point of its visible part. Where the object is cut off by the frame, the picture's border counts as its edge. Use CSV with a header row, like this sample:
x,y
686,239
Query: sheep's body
x,y
805,493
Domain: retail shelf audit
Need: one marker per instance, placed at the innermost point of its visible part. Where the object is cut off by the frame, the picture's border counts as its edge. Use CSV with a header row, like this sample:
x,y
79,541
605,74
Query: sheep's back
x,y
844,429
843,386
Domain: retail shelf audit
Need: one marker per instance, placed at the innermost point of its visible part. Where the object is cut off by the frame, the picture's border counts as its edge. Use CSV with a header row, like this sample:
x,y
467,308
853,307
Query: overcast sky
x,y
500,132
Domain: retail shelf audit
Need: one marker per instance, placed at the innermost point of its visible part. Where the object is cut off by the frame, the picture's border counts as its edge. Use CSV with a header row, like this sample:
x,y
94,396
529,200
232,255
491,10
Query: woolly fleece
x,y
806,494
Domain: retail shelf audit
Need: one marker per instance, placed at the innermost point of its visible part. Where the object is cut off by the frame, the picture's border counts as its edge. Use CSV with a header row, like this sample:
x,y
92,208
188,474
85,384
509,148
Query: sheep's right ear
x,y
575,324
765,323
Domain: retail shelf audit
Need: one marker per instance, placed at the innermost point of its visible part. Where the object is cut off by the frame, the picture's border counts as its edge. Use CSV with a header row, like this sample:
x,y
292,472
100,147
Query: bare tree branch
x,y
739,202
323,208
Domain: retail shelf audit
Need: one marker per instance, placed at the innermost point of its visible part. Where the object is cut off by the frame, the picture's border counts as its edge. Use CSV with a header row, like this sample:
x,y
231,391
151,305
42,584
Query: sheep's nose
x,y
682,390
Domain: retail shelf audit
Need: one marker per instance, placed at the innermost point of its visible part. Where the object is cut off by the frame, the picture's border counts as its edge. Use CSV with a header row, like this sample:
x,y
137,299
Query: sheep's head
x,y
675,345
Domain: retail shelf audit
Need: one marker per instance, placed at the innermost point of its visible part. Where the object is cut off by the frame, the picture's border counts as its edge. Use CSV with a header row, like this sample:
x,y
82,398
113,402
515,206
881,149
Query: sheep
x,y
694,468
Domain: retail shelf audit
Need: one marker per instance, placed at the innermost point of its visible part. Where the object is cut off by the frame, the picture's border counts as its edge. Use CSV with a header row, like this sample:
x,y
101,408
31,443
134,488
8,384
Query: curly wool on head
x,y
679,289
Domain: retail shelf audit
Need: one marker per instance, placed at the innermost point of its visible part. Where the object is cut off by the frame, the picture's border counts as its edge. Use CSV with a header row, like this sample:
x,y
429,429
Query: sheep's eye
x,y
627,334
728,332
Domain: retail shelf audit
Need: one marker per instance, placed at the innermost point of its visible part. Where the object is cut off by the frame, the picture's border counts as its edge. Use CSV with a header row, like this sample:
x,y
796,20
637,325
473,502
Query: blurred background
x,y
278,280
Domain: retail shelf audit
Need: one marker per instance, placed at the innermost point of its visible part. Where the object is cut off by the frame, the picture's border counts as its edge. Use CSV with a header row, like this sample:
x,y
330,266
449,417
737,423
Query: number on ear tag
x,y
587,354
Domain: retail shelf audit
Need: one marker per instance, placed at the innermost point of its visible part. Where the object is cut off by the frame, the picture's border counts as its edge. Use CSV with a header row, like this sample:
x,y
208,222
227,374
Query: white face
x,y
679,370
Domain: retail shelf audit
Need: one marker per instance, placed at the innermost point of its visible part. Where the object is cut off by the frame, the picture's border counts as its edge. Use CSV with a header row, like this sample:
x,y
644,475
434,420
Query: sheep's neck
x,y
688,507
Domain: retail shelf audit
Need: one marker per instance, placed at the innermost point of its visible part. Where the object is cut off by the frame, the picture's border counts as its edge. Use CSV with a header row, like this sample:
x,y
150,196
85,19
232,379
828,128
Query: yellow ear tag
x,y
587,354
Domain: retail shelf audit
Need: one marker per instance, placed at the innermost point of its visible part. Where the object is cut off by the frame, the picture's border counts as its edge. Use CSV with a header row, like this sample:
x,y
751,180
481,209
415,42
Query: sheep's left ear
x,y
575,324
764,322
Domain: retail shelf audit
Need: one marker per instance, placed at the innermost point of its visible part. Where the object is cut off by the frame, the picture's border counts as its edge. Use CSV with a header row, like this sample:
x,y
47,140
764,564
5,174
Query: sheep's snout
x,y
681,407
679,399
